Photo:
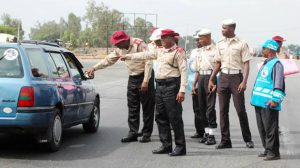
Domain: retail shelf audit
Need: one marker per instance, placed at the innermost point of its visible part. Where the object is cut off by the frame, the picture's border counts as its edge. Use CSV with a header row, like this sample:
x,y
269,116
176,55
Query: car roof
x,y
46,46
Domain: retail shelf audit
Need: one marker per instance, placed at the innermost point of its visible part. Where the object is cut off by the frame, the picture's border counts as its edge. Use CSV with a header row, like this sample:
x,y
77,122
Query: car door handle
x,y
59,86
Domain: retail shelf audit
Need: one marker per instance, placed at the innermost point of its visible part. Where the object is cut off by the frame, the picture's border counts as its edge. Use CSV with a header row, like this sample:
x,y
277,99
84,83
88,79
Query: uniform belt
x,y
205,72
167,81
137,76
231,71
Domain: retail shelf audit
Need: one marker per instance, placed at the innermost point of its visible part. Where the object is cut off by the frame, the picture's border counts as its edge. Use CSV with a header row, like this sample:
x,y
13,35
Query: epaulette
x,y
179,49
220,40
137,41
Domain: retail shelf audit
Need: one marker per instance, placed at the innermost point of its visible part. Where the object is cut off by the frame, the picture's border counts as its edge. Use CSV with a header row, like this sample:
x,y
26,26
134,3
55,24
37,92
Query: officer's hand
x,y
194,90
211,86
122,57
180,97
144,87
91,72
272,104
242,87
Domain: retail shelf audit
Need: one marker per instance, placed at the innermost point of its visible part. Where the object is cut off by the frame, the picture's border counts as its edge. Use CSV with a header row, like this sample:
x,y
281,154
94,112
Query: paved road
x,y
104,149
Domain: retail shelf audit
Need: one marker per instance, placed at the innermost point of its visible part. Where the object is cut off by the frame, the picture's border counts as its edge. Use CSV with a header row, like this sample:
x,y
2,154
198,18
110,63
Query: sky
x,y
257,20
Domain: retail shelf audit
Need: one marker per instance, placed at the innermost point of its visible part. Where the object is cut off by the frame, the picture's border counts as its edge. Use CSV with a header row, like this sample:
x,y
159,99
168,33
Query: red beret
x,y
118,36
278,38
168,32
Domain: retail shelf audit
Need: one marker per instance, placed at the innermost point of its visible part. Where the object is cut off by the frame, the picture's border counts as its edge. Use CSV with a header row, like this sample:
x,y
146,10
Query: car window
x,y
52,66
73,68
60,65
10,63
37,62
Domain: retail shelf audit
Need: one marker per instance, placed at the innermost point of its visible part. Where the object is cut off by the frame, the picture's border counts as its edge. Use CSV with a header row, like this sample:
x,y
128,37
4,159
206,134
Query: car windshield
x,y
10,63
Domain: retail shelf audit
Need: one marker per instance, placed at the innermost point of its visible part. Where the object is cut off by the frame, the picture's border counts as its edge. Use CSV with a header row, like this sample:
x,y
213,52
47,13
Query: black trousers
x,y
197,120
134,100
169,112
228,86
207,102
267,123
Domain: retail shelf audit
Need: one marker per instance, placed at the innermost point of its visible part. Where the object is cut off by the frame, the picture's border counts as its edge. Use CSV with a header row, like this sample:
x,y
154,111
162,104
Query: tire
x,y
54,133
92,125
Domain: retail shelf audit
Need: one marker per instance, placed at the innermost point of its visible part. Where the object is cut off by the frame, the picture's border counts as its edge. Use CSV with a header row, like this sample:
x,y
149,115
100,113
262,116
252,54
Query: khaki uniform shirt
x,y
205,59
232,53
135,67
170,63
152,46
282,54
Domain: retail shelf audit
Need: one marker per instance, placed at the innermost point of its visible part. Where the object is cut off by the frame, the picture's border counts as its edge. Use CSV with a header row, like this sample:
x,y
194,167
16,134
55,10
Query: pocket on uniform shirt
x,y
222,51
236,51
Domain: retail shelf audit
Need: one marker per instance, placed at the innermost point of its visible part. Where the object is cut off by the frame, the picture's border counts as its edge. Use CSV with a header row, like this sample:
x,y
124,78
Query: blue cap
x,y
271,44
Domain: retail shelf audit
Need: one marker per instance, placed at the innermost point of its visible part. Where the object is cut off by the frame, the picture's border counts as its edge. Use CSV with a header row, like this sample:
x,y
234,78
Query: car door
x,y
67,89
85,100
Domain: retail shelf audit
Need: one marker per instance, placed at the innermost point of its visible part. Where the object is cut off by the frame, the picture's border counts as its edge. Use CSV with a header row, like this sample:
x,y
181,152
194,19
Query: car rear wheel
x,y
92,125
54,133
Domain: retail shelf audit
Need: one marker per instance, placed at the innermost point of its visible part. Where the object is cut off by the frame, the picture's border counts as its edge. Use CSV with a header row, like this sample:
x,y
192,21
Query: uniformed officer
x,y
267,95
140,88
233,60
155,39
171,80
197,118
281,53
205,64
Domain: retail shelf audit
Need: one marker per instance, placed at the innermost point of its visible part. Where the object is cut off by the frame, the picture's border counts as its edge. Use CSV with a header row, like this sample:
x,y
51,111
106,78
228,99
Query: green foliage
x,y
7,29
142,28
101,22
187,42
293,48
48,31
71,30
11,25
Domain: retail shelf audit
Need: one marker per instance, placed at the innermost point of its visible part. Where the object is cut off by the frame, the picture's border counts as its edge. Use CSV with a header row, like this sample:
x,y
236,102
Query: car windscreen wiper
x,y
2,57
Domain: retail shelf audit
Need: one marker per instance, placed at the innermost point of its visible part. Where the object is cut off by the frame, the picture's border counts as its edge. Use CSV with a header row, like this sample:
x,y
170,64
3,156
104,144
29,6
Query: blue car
x,y
43,90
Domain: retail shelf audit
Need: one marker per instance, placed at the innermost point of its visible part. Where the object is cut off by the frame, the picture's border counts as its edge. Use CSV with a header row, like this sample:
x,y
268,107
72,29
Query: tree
x,y
102,22
141,29
12,26
72,30
187,42
7,29
49,31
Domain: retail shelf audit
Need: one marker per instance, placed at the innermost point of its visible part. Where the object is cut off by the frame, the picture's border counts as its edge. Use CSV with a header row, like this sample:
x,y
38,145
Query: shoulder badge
x,y
179,49
137,41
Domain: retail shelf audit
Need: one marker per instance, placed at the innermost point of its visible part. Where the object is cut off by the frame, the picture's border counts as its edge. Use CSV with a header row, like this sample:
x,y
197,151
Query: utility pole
x,y
186,40
19,30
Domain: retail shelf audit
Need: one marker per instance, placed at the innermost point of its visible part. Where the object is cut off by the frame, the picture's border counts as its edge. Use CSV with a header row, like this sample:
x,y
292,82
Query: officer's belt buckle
x,y
205,72
231,71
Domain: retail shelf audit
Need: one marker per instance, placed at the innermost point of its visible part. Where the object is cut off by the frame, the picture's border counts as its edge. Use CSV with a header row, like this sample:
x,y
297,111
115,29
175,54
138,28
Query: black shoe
x,y
140,134
196,135
210,140
162,150
250,144
129,139
271,157
264,154
178,152
203,139
223,145
145,139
